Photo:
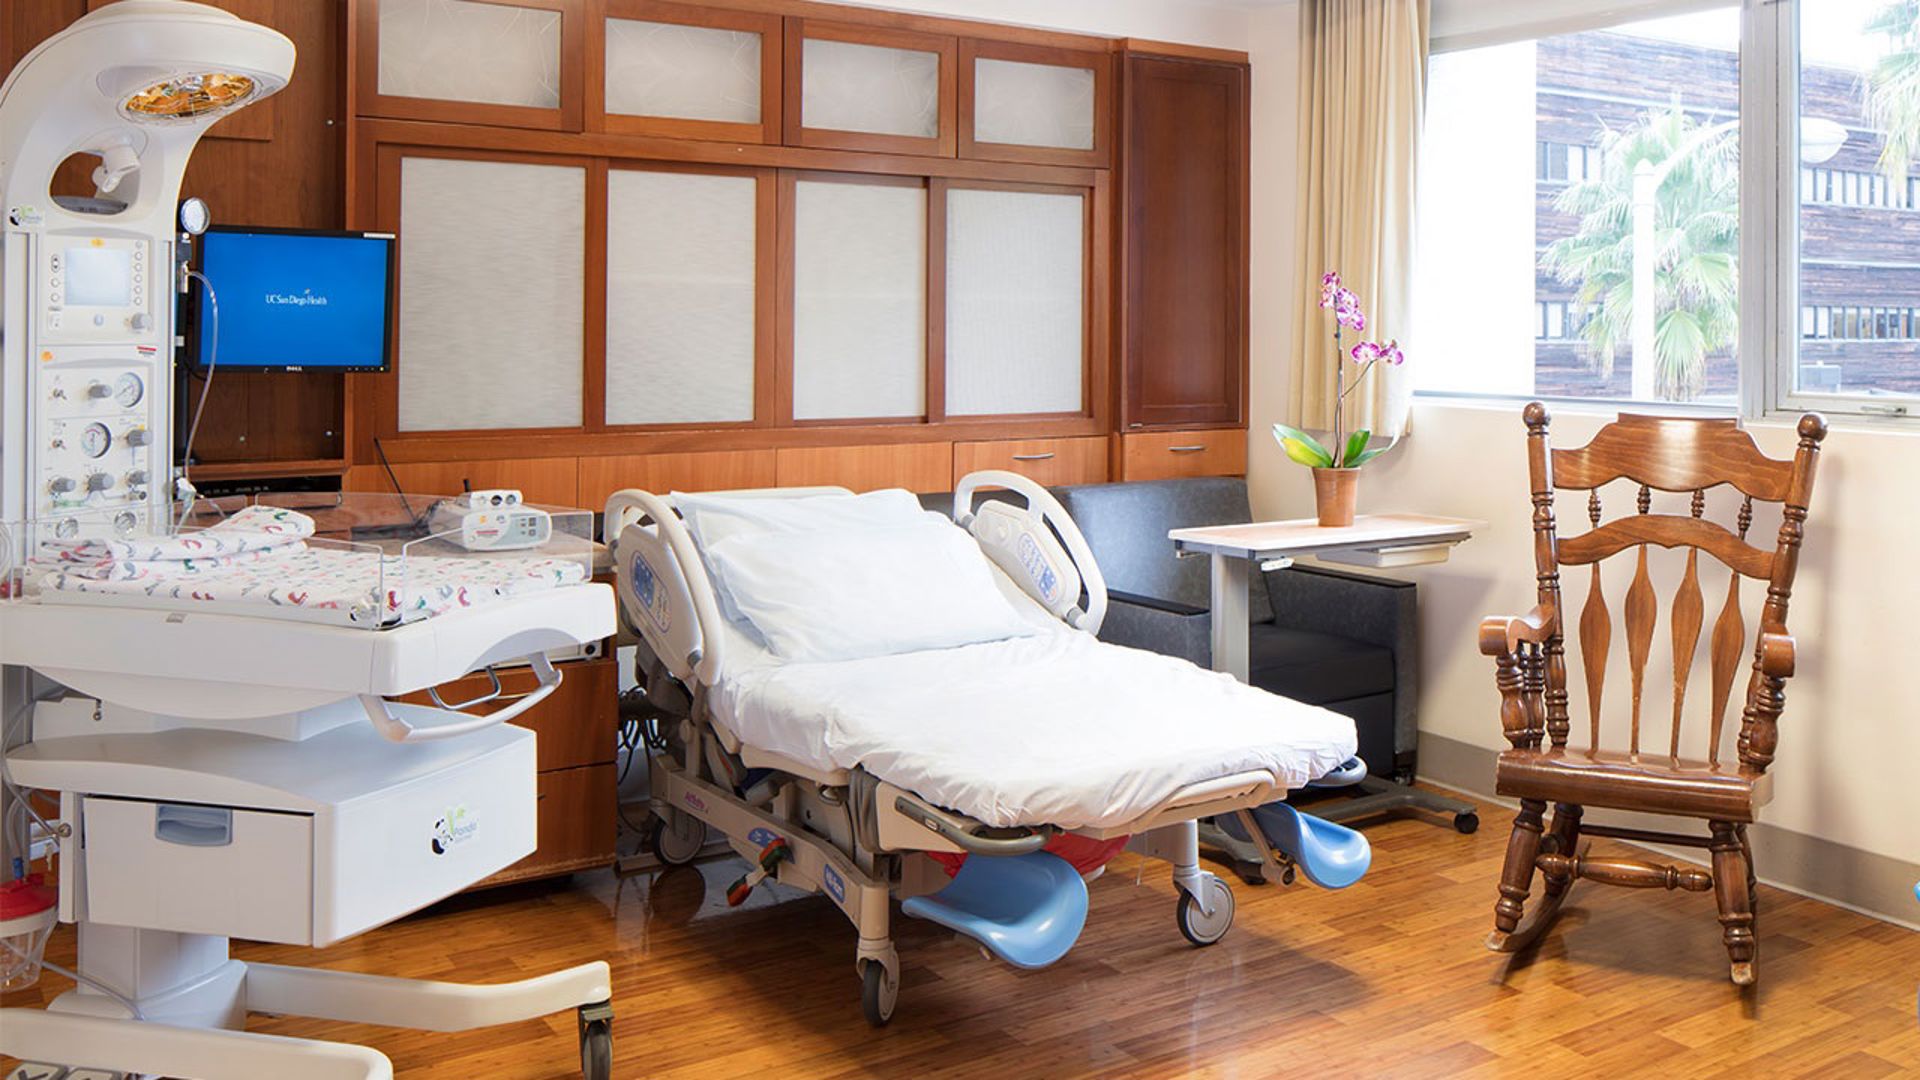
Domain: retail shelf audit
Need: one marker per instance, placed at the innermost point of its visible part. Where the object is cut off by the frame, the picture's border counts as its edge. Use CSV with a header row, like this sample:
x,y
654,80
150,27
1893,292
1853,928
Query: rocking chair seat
x,y
1648,782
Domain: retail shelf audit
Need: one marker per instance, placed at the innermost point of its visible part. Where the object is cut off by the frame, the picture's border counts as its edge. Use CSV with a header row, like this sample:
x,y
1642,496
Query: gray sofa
x,y
1344,641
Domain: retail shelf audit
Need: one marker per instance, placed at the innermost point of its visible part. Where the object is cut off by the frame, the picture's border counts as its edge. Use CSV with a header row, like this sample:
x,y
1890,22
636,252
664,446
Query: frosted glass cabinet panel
x,y
859,300
871,89
1021,104
680,297
463,50
683,72
490,318
1016,302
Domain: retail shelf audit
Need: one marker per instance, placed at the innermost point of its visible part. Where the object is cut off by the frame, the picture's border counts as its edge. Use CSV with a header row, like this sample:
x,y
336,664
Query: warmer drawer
x,y
199,869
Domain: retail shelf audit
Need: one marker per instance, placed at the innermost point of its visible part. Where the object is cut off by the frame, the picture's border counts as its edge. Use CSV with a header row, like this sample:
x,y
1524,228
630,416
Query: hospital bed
x,y
854,777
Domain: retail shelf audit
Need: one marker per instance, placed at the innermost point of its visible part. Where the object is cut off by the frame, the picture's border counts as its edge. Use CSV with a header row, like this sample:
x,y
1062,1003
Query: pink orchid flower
x,y
1330,289
1390,352
1366,352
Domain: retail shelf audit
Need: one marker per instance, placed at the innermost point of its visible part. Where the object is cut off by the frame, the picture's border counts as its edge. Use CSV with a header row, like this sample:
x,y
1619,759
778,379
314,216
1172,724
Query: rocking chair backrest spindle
x,y
1674,455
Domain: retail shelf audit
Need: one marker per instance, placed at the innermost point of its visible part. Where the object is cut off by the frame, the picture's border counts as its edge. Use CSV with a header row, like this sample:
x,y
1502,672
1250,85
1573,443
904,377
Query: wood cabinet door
x,y
1184,236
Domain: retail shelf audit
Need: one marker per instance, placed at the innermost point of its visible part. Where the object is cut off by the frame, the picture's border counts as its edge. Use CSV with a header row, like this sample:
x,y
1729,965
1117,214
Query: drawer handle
x,y
193,826
1194,449
1033,457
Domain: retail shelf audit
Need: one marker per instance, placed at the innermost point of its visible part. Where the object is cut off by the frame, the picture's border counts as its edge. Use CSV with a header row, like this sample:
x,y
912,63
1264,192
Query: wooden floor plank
x,y
1391,970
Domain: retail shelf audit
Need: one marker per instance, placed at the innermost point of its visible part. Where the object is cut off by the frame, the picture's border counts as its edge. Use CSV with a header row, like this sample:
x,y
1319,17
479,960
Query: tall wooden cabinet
x,y
1184,243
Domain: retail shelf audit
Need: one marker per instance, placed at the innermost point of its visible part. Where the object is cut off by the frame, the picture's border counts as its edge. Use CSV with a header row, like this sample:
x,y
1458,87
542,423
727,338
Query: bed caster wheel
x,y
1466,823
1199,927
677,838
596,1041
879,992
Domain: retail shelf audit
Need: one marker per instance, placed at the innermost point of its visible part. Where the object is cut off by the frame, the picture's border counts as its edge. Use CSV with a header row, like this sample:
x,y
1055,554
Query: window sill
x,y
1905,426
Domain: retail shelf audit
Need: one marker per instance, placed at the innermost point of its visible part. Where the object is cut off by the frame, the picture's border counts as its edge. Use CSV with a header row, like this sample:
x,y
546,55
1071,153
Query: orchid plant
x,y
1350,451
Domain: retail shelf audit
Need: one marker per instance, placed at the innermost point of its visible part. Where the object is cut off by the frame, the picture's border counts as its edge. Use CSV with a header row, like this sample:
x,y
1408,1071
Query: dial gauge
x,y
124,522
194,215
128,390
67,529
95,441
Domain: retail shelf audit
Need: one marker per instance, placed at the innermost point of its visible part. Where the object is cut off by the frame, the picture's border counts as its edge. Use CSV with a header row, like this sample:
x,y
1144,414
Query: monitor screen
x,y
298,301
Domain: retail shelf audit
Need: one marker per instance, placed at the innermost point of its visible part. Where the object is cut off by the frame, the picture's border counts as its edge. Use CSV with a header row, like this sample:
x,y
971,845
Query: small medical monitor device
x,y
291,300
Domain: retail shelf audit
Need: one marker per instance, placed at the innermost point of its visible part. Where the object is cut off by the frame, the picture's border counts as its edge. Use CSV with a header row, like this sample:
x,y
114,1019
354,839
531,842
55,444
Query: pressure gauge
x,y
95,441
128,390
194,216
124,522
67,529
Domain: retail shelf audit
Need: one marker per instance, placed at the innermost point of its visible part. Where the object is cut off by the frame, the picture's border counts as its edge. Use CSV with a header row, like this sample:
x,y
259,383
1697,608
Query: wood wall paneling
x,y
545,481
1184,353
1049,462
1162,455
578,825
716,470
918,467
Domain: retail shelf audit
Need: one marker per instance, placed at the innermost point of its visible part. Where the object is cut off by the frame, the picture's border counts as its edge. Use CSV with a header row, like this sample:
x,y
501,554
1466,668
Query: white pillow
x,y
713,518
856,593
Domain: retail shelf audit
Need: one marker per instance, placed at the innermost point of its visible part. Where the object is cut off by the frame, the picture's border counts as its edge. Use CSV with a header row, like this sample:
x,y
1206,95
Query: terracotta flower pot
x,y
1333,495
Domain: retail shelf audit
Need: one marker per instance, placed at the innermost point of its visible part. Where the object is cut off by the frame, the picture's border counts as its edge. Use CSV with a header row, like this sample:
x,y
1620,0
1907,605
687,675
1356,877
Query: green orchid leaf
x,y
1356,443
1365,456
1311,456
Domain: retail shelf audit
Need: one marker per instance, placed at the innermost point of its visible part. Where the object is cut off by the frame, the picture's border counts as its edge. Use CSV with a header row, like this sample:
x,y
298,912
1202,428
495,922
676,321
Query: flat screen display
x,y
293,301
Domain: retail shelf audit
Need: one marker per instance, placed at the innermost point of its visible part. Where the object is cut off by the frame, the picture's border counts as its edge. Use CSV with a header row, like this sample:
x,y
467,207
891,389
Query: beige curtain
x,y
1363,73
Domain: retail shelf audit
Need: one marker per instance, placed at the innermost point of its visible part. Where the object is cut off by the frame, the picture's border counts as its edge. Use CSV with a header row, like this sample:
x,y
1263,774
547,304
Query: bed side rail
x,y
663,587
1028,542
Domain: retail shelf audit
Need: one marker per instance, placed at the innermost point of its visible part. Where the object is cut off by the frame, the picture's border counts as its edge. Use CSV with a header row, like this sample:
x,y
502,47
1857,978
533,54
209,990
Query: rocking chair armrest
x,y
1775,654
1501,634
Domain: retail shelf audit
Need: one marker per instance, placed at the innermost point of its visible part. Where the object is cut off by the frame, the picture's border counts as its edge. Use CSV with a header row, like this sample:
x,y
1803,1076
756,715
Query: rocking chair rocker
x,y
1676,455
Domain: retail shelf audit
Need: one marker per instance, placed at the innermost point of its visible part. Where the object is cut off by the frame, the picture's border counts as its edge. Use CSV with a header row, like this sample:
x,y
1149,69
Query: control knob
x,y
61,485
142,322
97,389
99,482
136,437
137,478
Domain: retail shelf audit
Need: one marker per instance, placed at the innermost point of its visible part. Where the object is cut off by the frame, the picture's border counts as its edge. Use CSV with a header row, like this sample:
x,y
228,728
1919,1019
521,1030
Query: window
x,y
1858,273
1637,185
1496,245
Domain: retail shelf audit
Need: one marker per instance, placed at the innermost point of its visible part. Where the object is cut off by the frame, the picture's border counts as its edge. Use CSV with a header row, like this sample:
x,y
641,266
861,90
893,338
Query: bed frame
x,y
850,835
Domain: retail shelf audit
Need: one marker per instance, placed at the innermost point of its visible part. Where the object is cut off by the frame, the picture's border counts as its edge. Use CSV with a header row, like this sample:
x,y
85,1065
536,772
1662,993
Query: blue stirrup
x,y
1333,856
1025,909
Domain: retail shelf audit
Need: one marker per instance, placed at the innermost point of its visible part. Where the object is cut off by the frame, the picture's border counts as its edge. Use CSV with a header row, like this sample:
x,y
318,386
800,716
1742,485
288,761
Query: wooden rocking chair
x,y
1670,454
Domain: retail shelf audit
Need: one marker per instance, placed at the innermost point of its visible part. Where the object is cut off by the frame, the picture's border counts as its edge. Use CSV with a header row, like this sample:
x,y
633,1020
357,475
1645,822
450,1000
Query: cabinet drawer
x,y
577,829
199,869
576,726
1047,461
1162,455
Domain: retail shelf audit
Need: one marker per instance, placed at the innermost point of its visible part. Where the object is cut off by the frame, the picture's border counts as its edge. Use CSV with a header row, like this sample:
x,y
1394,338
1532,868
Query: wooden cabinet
x,y
710,470
542,481
576,730
915,466
1162,455
1184,243
1049,462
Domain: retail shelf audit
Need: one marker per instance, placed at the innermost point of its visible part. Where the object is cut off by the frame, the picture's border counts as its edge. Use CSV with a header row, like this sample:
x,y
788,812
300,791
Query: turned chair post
x,y
1684,457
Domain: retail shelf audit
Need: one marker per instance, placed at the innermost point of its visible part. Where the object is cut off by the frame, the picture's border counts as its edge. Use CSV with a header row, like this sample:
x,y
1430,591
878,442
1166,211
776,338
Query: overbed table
x,y
1379,541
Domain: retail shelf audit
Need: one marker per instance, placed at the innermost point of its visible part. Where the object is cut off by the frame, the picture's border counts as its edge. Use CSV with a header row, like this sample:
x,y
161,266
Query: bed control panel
x,y
1020,544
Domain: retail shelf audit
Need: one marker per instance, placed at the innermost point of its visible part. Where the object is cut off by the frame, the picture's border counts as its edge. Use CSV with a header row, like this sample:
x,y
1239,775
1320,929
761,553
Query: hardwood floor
x,y
1387,978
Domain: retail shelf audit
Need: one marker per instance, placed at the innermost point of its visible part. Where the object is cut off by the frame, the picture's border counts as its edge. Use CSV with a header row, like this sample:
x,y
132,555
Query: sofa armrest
x,y
1162,626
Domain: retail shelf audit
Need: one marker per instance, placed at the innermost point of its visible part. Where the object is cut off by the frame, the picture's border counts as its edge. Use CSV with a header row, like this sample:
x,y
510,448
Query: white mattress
x,y
1057,728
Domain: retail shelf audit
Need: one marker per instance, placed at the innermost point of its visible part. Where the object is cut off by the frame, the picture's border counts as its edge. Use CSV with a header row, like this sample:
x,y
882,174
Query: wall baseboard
x,y
1861,881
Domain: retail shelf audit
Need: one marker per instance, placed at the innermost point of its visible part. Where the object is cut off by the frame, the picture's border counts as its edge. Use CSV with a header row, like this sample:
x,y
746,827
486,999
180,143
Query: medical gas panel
x,y
98,380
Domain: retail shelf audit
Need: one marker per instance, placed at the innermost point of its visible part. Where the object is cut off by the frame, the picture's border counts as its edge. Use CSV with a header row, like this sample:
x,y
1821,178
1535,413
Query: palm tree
x,y
1697,238
1893,87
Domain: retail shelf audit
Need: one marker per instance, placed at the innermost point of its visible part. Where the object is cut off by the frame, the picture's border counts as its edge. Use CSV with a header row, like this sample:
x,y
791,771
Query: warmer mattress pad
x,y
1053,728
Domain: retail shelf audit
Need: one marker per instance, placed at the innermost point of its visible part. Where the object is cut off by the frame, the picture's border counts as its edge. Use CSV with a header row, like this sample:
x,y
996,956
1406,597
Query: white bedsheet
x,y
1056,728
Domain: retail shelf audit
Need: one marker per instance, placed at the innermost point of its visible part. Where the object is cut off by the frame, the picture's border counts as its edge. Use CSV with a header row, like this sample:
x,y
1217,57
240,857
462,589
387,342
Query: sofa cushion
x,y
1316,668
1126,525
